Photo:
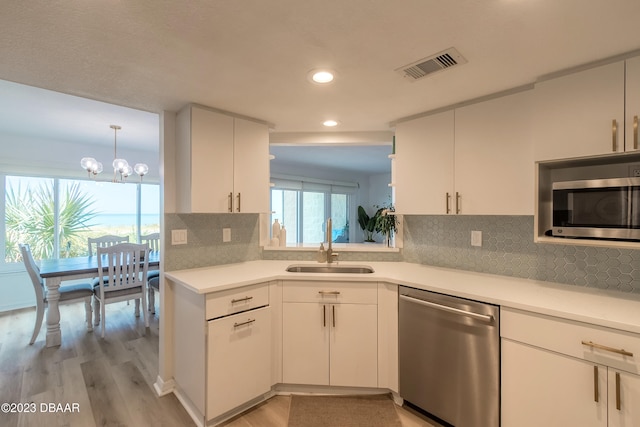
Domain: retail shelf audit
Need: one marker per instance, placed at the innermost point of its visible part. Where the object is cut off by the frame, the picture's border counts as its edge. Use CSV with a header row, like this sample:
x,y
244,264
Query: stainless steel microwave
x,y
597,209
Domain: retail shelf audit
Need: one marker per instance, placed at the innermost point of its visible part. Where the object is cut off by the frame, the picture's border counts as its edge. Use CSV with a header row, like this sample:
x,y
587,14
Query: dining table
x,y
56,271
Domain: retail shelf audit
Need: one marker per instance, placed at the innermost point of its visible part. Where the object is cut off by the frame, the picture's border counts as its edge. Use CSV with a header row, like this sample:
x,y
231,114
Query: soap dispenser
x,y
322,254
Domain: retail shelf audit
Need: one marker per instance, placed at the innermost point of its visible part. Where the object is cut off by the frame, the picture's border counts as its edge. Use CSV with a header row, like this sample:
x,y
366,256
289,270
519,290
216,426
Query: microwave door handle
x,y
630,207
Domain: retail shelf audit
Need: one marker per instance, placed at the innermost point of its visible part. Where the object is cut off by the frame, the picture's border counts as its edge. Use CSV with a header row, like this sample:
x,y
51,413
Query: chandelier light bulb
x,y
126,171
96,168
141,169
119,165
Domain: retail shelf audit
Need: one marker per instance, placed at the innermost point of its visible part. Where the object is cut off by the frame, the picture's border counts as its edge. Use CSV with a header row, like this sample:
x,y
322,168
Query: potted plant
x,y
387,222
367,223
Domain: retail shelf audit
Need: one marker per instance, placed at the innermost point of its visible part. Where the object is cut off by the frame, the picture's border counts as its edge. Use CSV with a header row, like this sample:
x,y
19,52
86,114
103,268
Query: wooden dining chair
x,y
67,292
104,242
153,240
124,276
153,285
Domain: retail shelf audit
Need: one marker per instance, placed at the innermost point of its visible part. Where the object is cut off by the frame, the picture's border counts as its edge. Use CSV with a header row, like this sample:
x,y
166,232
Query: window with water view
x,y
56,216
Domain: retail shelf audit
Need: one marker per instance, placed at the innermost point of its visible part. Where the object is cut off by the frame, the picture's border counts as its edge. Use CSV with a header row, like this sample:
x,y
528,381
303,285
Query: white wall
x,y
27,155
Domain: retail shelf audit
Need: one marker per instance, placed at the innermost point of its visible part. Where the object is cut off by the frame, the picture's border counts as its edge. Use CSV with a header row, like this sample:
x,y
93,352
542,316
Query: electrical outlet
x,y
476,238
226,235
634,170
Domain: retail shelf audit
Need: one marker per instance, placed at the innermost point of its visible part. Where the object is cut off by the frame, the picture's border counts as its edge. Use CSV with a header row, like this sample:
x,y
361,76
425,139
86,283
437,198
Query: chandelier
x,y
121,168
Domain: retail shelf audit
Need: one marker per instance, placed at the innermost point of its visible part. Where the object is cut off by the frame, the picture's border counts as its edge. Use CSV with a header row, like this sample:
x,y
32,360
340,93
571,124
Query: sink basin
x,y
324,268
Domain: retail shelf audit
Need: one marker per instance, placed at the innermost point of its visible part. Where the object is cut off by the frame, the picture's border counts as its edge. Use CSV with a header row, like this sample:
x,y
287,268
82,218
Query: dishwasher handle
x,y
484,317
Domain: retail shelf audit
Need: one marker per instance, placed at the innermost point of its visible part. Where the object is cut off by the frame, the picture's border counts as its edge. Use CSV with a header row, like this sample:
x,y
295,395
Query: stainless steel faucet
x,y
330,253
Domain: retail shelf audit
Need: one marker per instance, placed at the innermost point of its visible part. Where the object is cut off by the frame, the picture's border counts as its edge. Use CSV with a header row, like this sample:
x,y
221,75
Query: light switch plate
x,y
178,237
226,235
476,238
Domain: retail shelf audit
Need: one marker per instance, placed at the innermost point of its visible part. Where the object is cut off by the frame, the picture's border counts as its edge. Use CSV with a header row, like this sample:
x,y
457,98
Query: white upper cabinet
x,y
494,169
475,160
581,114
222,163
632,106
424,164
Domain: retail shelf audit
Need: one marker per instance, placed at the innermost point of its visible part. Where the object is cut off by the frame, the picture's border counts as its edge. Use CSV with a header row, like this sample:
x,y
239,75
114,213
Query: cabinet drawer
x,y
330,292
567,337
236,300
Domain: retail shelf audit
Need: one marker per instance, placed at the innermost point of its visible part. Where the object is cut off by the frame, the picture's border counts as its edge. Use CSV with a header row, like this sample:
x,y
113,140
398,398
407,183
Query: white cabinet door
x,y
354,345
251,166
305,343
222,162
204,155
627,393
494,168
632,104
542,388
574,114
424,164
238,360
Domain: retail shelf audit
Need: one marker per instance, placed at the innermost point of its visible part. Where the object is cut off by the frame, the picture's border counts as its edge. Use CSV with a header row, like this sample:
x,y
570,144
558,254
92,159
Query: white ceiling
x,y
251,57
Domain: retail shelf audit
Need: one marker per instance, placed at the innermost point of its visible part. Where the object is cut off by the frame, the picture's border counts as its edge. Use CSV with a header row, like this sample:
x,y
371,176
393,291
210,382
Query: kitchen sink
x,y
323,268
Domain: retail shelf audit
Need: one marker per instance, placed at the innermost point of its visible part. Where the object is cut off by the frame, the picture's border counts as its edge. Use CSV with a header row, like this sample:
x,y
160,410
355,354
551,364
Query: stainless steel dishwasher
x,y
449,357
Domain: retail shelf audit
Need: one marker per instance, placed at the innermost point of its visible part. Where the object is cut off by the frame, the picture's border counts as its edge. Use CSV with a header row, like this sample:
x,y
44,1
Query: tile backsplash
x,y
440,240
508,249
204,240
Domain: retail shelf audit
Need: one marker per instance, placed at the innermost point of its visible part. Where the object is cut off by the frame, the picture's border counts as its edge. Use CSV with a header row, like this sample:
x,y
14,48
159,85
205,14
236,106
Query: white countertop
x,y
600,307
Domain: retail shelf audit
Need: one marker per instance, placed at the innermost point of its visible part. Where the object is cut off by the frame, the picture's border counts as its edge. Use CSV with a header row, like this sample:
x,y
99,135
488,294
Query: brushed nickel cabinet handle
x,y
233,301
333,309
238,202
446,201
248,322
230,208
635,132
596,393
618,403
607,348
324,316
614,133
329,292
458,203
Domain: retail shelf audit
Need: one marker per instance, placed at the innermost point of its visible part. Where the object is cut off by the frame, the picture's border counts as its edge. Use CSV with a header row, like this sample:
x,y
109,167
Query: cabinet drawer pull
x,y
596,393
446,203
329,292
238,209
458,202
230,207
614,134
248,322
635,132
606,348
234,301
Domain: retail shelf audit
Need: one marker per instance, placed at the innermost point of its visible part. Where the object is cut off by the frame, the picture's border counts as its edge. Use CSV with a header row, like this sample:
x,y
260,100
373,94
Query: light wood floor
x,y
111,380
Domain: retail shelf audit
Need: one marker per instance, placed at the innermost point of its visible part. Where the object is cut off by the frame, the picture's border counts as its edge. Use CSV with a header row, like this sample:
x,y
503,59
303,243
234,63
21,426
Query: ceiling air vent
x,y
440,61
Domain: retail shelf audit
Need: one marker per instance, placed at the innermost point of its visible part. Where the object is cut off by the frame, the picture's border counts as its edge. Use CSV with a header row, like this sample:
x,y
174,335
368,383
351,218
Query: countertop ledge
x,y
595,306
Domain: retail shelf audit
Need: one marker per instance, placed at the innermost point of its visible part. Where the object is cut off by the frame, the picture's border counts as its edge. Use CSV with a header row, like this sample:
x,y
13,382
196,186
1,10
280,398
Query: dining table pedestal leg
x,y
54,337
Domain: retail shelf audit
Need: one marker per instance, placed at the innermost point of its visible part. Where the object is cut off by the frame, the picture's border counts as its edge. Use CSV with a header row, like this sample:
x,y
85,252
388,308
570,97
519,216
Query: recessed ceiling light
x,y
321,76
331,123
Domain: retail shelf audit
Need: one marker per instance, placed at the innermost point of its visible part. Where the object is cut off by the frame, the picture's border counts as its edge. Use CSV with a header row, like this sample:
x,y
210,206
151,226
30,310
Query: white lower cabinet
x,y
541,388
238,361
557,372
329,334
